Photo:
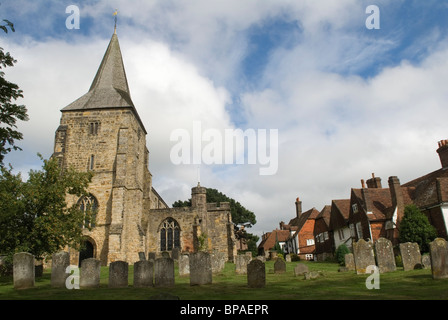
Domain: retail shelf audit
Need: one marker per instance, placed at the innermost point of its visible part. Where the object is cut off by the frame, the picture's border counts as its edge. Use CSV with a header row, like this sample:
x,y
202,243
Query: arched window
x,y
88,205
169,235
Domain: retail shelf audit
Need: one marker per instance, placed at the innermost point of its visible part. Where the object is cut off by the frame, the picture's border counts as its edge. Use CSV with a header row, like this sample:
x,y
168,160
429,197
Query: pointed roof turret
x,y
110,87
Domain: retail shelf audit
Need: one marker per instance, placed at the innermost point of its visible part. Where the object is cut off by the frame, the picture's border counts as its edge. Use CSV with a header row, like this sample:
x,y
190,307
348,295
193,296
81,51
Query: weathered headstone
x,y
90,273
288,258
175,254
261,258
363,254
439,258
279,266
141,256
241,262
143,274
256,274
151,256
273,255
184,265
59,263
349,262
300,269
118,274
385,255
23,270
218,261
426,261
164,272
200,268
165,254
410,255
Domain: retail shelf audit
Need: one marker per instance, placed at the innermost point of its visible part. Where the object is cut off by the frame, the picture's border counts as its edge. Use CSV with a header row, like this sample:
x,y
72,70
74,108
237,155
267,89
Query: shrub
x,y
340,253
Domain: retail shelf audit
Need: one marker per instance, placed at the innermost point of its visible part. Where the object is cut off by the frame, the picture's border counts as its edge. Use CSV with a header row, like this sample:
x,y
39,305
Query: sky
x,y
346,100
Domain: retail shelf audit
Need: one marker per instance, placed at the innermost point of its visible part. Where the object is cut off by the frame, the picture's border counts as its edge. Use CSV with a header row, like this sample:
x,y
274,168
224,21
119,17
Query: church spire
x,y
110,87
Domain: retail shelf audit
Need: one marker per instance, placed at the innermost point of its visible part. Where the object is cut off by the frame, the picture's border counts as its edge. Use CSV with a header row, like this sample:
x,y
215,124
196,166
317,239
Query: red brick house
x,y
323,236
376,212
431,193
339,223
269,239
302,242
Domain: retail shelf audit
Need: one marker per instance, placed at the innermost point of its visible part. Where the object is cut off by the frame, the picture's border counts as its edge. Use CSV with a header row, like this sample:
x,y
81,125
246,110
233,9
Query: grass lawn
x,y
415,285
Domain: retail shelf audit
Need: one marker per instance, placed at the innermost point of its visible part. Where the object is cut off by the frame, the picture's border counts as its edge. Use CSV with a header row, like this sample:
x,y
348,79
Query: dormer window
x,y
355,208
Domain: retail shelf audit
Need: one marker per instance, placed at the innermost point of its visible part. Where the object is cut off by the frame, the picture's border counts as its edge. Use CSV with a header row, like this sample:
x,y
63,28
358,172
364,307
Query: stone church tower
x,y
102,132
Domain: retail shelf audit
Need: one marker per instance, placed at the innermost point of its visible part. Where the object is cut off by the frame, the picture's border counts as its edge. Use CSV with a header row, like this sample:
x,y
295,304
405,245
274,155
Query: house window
x,y
341,234
359,230
309,256
93,128
325,235
352,230
309,242
169,235
355,208
88,205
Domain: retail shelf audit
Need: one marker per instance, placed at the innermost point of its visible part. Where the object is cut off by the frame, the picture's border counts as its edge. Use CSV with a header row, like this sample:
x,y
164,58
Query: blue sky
x,y
347,101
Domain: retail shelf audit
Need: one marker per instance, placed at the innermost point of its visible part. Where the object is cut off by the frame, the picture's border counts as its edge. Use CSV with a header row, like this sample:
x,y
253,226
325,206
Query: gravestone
x,y
256,274
165,254
300,269
261,258
141,256
363,254
385,255
143,274
23,270
59,263
279,266
273,255
218,261
164,273
410,255
241,262
426,261
118,274
349,262
184,265
175,253
288,258
200,268
151,256
439,258
90,273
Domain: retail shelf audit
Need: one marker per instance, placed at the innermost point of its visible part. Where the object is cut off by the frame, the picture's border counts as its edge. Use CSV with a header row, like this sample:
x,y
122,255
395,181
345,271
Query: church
x,y
102,132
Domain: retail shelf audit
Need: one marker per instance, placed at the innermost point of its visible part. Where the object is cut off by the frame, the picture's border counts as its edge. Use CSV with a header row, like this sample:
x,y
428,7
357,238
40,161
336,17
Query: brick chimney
x,y
298,207
443,153
396,194
374,182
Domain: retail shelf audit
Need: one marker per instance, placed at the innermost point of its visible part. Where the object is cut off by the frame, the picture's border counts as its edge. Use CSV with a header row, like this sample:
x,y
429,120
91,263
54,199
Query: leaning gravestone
x,y
439,258
59,263
256,274
118,274
410,254
164,272
300,269
363,254
141,256
90,273
385,255
349,262
23,270
279,266
241,262
143,274
184,265
200,268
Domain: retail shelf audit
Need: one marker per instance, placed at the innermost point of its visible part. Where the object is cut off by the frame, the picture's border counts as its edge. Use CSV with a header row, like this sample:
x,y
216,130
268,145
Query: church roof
x,y
110,87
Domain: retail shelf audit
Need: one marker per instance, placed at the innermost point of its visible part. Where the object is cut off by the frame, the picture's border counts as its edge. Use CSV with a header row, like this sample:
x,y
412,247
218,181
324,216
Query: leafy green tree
x,y
34,216
10,112
340,253
415,227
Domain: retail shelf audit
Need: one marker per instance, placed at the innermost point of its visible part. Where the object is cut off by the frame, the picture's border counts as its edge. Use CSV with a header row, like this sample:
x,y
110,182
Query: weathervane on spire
x,y
115,15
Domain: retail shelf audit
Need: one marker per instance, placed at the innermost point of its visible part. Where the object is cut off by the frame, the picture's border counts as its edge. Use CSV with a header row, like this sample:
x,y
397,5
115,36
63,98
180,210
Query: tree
x,y
34,216
415,227
10,112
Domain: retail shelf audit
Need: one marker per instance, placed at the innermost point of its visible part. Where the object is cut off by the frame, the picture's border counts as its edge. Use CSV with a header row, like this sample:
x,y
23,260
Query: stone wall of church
x,y
121,178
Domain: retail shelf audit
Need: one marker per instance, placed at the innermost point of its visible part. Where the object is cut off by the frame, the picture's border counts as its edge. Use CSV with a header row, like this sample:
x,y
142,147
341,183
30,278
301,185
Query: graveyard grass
x,y
333,285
